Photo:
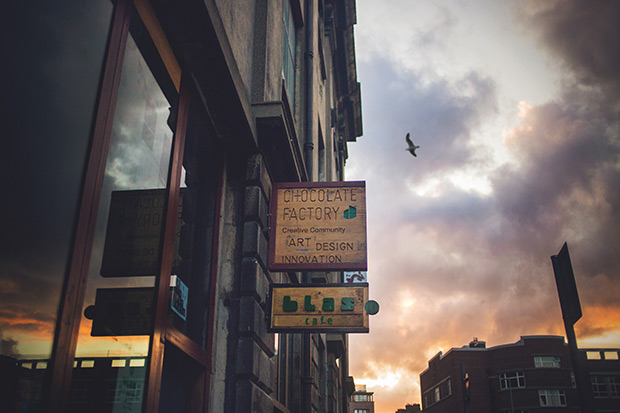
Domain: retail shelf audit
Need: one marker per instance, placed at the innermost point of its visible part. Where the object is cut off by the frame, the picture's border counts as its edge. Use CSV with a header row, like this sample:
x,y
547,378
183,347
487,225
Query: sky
x,y
515,107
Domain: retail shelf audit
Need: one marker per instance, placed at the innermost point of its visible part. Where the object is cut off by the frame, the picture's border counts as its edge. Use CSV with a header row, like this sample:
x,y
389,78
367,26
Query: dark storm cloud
x,y
568,177
567,162
584,35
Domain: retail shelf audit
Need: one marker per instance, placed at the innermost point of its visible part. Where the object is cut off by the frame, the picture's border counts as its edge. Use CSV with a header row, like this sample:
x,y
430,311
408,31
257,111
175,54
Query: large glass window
x,y
52,56
195,227
119,300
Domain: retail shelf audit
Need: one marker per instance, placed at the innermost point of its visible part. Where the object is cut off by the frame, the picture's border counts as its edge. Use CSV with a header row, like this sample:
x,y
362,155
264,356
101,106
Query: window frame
x,y
605,386
552,398
58,392
505,380
547,361
438,392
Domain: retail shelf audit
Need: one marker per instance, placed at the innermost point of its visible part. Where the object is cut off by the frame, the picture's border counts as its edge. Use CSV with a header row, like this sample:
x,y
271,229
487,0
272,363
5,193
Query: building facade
x,y
362,401
534,374
144,137
602,371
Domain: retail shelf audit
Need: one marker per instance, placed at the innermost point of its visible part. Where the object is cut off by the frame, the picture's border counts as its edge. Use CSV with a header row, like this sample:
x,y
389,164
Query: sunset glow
x,y
519,143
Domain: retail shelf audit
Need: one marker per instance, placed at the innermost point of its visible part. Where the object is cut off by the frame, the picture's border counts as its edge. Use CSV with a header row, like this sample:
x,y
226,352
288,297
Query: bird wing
x,y
408,139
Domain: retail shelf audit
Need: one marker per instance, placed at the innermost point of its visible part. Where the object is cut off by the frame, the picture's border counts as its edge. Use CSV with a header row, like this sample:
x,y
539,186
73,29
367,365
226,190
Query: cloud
x,y
8,346
447,263
584,36
440,116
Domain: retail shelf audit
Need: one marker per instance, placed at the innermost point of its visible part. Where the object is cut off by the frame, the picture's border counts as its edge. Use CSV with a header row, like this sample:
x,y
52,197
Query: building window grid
x,y
514,380
362,397
438,393
552,398
605,387
112,396
133,391
547,361
614,387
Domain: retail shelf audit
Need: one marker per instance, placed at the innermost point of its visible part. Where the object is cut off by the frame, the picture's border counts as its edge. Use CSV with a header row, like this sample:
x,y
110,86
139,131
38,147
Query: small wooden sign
x,y
318,226
320,308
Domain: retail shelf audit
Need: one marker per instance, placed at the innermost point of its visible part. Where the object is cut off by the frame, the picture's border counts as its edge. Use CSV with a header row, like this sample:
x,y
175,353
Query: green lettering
x,y
348,304
329,304
308,306
289,305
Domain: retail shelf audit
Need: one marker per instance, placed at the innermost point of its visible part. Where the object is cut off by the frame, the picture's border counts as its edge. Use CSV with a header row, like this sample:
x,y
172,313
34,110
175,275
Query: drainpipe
x,y
306,380
309,60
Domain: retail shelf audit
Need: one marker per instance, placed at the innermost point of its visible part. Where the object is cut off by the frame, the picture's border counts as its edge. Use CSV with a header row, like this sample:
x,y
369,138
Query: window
x,y
362,397
513,380
289,41
53,60
552,397
361,411
599,387
605,386
438,393
614,386
132,390
112,396
546,361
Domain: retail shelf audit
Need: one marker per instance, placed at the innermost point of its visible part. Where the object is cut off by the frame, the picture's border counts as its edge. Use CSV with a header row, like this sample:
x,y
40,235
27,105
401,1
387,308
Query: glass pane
x,y
183,384
192,262
52,57
119,301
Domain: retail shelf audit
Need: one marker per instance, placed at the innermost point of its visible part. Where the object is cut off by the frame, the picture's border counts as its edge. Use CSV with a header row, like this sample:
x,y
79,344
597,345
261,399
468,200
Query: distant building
x,y
602,369
532,374
410,408
362,400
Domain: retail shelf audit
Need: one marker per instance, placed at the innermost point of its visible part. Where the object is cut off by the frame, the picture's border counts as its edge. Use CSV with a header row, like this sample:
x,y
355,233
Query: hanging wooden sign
x,y
319,308
318,226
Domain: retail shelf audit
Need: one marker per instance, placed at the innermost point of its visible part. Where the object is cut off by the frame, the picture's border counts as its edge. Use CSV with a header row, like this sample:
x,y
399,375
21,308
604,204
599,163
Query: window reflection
x,y
52,55
130,212
126,253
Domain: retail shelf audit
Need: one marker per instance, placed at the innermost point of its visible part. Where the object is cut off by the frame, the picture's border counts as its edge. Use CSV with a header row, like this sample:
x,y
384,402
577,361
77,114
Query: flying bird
x,y
411,147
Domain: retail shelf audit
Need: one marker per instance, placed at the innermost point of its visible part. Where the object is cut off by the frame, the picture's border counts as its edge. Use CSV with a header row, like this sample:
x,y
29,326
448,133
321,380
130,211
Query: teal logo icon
x,y
350,213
